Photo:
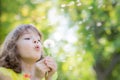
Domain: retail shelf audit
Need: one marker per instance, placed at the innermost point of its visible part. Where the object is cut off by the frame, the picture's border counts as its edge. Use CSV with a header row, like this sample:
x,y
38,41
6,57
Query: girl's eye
x,y
27,38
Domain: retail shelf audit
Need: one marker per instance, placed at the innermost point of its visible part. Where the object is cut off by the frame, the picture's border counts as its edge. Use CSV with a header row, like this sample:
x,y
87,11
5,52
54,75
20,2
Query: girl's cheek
x,y
28,42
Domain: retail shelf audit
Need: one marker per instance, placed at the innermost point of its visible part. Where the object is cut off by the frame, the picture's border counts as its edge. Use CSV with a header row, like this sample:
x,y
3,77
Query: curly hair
x,y
10,57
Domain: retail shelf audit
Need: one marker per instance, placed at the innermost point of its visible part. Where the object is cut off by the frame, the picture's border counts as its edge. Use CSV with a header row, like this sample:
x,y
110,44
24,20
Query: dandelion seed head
x,y
48,43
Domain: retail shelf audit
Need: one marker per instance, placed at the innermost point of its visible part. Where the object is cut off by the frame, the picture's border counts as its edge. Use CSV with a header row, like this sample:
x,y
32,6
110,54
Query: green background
x,y
86,33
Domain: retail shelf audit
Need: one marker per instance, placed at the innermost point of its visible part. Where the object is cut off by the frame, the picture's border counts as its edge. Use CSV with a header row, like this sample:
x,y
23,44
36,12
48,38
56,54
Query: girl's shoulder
x,y
5,70
13,75
8,73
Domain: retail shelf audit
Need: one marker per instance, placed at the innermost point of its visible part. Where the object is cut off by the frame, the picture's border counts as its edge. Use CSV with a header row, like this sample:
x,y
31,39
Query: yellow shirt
x,y
13,75
19,76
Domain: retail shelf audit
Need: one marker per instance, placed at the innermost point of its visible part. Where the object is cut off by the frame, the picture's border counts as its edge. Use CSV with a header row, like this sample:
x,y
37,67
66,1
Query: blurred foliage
x,y
86,33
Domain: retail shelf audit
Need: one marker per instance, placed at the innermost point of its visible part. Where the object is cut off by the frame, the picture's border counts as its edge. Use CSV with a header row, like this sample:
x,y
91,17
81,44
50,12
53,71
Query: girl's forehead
x,y
30,32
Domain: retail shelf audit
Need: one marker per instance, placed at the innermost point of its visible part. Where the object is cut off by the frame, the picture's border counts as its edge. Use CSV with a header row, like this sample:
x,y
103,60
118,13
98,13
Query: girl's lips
x,y
37,48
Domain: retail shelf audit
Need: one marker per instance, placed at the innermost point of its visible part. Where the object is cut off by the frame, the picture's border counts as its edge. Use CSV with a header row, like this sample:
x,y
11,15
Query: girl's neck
x,y
27,68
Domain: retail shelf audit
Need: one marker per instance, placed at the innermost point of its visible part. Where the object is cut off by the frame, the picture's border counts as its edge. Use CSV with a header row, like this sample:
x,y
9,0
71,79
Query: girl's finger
x,y
52,66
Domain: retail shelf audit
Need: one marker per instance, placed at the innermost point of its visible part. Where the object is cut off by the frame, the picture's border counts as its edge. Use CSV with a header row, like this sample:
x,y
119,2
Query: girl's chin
x,y
34,58
37,57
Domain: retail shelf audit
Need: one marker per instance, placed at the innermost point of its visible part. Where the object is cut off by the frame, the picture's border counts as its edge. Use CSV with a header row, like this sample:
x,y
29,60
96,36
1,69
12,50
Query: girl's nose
x,y
35,41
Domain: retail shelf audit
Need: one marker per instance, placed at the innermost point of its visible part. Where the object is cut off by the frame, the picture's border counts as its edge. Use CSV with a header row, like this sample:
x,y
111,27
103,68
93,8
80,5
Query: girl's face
x,y
29,46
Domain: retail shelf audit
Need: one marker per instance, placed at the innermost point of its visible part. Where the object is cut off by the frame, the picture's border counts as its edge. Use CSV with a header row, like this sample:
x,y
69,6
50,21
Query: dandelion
x,y
48,44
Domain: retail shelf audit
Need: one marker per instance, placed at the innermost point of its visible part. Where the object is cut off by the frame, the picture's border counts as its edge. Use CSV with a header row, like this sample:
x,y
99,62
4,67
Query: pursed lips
x,y
37,48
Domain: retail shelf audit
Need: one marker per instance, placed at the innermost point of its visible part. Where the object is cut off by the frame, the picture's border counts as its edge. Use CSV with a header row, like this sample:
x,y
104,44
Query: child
x,y
22,58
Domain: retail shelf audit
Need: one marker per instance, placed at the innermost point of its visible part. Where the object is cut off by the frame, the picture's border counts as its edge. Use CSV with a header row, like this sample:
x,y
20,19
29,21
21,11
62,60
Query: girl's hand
x,y
41,69
51,64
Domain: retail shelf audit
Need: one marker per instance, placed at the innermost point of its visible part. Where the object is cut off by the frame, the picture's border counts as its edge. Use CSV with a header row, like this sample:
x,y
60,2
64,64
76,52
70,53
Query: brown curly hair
x,y
10,57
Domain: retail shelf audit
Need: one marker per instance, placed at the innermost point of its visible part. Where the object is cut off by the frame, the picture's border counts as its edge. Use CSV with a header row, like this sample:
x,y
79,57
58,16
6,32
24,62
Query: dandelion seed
x,y
62,58
71,3
62,10
87,27
70,67
78,0
37,1
90,7
43,17
99,24
80,59
63,5
79,4
80,22
17,17
83,52
100,3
